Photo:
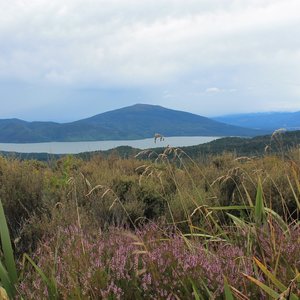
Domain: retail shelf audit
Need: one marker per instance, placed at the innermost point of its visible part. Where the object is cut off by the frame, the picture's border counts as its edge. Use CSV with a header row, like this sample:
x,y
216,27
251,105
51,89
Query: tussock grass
x,y
167,227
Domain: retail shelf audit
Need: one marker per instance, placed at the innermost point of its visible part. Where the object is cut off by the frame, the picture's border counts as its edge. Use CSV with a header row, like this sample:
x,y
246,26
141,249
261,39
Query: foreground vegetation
x,y
166,228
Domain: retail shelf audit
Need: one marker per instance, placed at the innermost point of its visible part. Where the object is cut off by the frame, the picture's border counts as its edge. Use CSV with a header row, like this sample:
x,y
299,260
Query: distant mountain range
x,y
264,121
134,122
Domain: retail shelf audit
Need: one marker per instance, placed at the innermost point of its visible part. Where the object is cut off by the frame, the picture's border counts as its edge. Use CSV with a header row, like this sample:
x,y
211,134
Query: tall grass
x,y
165,228
8,271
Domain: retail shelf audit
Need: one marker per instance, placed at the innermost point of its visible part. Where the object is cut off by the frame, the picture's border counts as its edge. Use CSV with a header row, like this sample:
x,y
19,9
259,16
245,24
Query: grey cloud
x,y
137,42
186,46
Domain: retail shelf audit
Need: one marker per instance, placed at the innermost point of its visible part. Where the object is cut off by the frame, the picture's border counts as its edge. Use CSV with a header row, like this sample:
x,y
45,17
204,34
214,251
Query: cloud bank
x,y
190,48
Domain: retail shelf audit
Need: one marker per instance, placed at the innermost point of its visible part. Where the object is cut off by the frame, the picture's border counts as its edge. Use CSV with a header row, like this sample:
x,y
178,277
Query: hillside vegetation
x,y
225,227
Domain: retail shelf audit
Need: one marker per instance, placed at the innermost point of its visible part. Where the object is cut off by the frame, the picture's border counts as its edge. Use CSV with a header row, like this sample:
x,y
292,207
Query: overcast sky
x,y
65,60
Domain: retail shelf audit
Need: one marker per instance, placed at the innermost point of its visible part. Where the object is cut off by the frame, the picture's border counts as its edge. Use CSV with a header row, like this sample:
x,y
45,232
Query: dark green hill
x,y
255,146
141,121
135,122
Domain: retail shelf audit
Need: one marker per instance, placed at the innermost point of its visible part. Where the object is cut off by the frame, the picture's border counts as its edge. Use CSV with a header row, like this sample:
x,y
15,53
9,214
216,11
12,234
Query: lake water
x,y
78,147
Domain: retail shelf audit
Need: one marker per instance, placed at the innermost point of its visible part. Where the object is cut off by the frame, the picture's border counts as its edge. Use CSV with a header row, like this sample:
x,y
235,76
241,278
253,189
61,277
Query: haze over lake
x,y
78,147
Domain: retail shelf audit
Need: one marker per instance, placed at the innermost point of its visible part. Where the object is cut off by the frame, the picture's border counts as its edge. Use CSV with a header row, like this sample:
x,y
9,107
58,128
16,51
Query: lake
x,y
78,147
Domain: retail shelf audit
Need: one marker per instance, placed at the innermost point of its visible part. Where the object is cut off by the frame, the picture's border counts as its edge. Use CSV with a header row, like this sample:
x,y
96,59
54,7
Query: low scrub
x,y
166,228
